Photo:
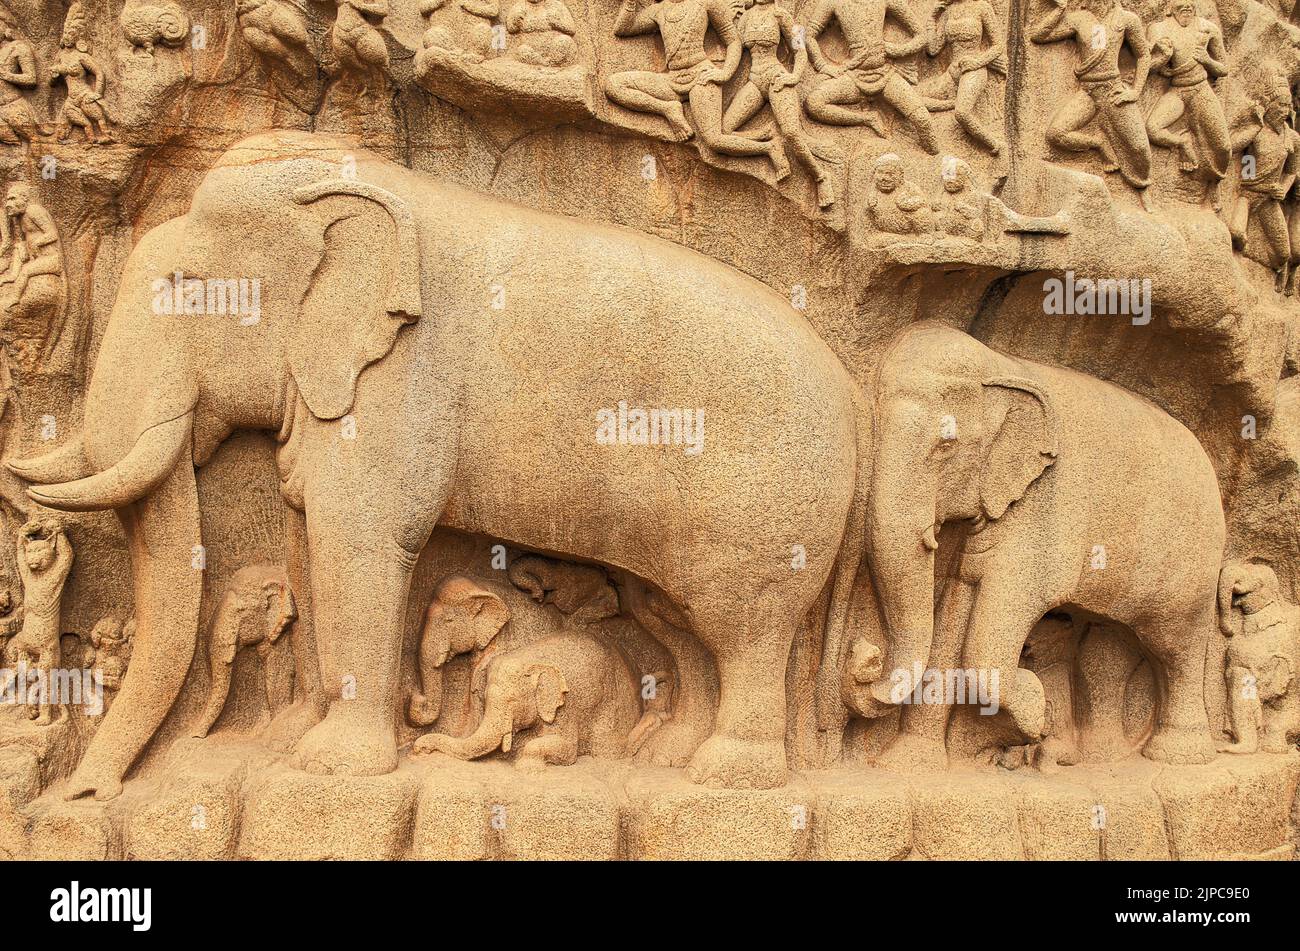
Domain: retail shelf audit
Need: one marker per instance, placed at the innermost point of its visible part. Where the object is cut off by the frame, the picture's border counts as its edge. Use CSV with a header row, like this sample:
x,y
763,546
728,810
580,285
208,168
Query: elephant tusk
x,y
155,453
507,741
64,464
928,539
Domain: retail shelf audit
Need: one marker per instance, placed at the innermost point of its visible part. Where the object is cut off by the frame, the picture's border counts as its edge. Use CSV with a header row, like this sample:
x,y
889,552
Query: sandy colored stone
x,y
293,815
675,819
861,815
635,429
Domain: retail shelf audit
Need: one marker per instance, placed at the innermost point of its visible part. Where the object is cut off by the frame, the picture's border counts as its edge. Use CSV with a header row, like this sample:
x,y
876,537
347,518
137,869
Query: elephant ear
x,y
488,614
366,286
550,689
280,609
1022,444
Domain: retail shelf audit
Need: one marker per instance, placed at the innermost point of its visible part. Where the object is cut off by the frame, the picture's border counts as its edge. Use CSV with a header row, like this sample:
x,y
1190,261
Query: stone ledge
x,y
438,808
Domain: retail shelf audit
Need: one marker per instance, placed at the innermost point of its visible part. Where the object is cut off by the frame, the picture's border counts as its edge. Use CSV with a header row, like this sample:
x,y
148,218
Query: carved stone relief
x,y
693,404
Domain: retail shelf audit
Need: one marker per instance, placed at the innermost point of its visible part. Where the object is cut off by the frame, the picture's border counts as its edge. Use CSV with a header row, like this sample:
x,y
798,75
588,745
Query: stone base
x,y
238,803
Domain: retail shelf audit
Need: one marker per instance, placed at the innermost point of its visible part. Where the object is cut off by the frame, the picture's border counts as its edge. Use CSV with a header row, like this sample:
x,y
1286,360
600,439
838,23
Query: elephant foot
x,y
288,726
102,787
729,763
671,744
1181,746
911,753
1026,704
348,744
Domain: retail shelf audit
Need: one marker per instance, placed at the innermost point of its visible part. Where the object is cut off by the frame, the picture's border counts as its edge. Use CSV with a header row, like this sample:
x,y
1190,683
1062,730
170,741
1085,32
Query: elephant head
x,y
462,617
257,608
581,591
337,264
1244,588
961,436
520,693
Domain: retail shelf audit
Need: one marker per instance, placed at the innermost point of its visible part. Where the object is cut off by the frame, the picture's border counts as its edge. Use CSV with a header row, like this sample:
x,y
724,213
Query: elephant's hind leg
x,y
1182,733
695,693
751,642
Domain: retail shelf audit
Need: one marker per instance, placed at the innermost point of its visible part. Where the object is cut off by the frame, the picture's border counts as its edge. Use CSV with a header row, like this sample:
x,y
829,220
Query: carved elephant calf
x,y
1263,659
256,609
1067,493
565,695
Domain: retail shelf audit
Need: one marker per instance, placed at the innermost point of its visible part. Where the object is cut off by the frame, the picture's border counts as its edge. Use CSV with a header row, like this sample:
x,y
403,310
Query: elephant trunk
x,y
496,729
163,536
425,705
901,554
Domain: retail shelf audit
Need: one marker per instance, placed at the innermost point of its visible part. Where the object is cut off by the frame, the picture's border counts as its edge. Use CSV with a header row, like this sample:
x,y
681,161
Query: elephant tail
x,y
848,564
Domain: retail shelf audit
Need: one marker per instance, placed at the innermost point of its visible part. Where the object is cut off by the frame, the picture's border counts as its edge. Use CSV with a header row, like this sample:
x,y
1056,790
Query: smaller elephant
x,y
256,609
462,616
570,694
1263,658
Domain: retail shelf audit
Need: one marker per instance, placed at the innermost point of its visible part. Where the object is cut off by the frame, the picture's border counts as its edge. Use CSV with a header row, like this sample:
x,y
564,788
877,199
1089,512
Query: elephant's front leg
x,y
1003,615
360,580
921,743
558,747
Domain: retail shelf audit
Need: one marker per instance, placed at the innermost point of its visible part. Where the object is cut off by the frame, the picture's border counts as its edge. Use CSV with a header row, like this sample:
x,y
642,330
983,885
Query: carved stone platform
x,y
236,802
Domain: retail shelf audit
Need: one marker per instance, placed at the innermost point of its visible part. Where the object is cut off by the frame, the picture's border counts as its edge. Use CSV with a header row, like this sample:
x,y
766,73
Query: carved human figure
x,y
464,27
569,694
85,79
1189,50
359,48
895,205
44,560
463,616
18,122
959,210
546,30
111,640
1100,29
1263,659
29,244
1268,173
690,74
871,70
762,28
255,611
964,26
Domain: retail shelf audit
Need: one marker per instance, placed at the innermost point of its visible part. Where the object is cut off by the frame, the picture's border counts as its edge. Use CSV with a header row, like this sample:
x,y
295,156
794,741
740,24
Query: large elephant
x,y
1071,494
429,355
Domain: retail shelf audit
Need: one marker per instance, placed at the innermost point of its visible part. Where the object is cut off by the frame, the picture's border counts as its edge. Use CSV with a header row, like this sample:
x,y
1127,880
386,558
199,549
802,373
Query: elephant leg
x,y
921,743
360,581
694,695
1001,621
555,748
290,722
1177,645
751,641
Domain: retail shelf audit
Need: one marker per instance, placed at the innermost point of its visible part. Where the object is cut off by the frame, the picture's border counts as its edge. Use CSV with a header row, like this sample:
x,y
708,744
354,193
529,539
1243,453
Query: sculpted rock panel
x,y
776,396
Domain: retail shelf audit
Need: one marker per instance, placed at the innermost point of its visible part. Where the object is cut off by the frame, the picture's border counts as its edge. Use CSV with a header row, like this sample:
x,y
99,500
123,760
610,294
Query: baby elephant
x,y
255,611
571,693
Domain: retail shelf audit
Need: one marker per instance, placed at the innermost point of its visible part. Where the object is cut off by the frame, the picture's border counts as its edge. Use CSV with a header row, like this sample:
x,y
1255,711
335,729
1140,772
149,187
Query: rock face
x,y
649,429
